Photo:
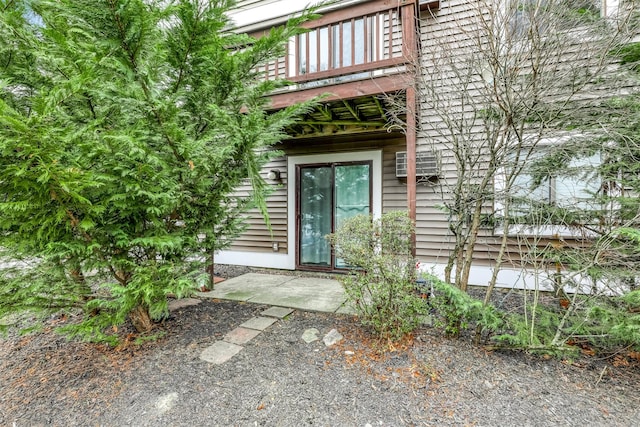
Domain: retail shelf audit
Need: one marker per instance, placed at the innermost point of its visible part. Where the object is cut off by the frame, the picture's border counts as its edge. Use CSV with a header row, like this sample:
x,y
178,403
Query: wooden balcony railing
x,y
346,46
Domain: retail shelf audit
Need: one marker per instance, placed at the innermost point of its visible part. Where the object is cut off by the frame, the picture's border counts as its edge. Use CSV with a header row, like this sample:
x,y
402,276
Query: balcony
x,y
350,52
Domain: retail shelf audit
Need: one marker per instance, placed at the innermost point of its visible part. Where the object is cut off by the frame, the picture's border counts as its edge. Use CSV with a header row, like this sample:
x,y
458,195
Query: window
x,y
542,16
571,190
540,207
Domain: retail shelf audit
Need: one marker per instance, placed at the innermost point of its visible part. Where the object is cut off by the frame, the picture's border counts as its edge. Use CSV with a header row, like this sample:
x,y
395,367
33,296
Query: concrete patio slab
x,y
243,288
220,352
277,312
303,293
241,335
259,323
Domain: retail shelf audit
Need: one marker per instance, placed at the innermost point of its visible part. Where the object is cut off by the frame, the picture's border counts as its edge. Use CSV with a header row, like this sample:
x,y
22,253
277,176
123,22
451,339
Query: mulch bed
x,y
278,379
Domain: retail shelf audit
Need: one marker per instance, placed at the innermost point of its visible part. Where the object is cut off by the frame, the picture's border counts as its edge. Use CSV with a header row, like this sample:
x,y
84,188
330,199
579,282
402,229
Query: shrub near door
x,y
381,281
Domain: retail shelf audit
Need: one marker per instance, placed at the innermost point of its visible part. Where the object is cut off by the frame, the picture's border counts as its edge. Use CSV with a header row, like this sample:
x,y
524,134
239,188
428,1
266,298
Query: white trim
x,y
374,156
288,261
541,280
507,278
254,259
253,15
536,144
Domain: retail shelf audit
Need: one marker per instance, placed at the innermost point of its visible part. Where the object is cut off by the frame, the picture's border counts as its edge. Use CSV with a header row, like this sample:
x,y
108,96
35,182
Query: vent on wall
x,y
426,164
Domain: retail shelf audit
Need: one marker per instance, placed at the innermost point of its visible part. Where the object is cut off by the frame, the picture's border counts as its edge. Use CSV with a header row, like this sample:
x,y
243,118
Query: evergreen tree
x,y
125,126
608,130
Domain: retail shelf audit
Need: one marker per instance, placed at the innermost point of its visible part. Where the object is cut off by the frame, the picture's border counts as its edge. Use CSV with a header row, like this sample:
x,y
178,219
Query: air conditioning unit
x,y
429,4
426,164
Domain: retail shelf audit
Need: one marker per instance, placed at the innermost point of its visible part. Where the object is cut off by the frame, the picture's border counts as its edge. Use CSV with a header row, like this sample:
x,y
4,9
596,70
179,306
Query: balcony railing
x,y
348,46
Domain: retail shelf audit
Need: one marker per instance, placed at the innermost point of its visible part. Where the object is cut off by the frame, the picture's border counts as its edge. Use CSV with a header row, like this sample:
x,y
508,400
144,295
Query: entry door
x,y
328,194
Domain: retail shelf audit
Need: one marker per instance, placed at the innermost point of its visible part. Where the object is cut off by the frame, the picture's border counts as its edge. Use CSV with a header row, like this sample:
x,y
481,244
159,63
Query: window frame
x,y
540,230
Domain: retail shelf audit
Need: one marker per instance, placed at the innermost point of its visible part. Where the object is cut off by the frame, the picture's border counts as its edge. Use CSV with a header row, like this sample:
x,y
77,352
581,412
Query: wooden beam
x,y
352,110
352,69
349,90
377,102
409,36
343,123
325,111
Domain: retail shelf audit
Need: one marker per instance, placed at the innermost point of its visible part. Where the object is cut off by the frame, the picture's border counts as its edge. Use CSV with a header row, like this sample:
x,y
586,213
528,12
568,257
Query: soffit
x,y
364,114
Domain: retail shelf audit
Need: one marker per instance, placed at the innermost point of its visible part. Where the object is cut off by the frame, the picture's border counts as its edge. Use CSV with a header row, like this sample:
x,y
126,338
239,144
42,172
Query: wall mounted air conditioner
x,y
429,4
426,164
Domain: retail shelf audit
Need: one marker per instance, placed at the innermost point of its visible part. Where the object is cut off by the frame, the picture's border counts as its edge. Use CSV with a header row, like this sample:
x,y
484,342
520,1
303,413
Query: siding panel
x,y
257,237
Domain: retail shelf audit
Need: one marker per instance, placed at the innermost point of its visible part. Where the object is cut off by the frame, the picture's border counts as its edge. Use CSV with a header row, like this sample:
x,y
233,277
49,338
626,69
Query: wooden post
x,y
411,159
410,52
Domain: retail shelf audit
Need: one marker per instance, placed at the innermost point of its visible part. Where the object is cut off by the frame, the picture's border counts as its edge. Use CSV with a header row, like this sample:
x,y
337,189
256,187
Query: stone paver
x,y
167,402
284,294
241,335
333,337
310,335
259,323
278,312
220,352
177,304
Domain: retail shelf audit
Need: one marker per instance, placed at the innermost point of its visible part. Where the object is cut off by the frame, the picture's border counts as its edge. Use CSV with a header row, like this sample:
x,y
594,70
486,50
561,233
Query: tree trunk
x,y
141,319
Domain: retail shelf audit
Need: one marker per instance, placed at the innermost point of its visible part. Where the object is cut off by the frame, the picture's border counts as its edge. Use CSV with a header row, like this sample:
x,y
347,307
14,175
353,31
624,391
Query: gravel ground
x,y
279,380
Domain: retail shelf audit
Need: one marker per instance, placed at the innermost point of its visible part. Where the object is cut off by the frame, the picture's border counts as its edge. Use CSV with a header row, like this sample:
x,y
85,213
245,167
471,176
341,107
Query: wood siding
x,y
449,25
447,36
257,237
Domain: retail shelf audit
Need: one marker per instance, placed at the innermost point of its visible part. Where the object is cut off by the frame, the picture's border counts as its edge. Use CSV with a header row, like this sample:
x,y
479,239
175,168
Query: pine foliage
x,y
125,126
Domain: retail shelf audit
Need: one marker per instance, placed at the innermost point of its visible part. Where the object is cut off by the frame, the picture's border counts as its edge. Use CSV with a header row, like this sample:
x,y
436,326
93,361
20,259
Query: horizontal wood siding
x,y
257,238
394,189
434,241
447,34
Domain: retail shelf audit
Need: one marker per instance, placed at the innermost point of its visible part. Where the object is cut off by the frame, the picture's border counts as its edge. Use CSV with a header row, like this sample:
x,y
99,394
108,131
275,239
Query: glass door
x,y
352,187
315,216
328,194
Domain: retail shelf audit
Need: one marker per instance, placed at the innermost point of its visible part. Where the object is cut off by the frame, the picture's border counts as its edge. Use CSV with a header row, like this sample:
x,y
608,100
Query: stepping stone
x,y
278,312
220,352
167,402
259,323
310,335
333,337
177,304
241,336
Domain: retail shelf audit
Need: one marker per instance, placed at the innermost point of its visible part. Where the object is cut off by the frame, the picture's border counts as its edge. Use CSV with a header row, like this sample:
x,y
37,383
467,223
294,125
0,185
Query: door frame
x,y
373,156
298,183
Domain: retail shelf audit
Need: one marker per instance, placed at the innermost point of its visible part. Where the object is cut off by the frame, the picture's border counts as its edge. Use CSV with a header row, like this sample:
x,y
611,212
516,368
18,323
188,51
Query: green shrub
x,y
381,284
458,310
601,323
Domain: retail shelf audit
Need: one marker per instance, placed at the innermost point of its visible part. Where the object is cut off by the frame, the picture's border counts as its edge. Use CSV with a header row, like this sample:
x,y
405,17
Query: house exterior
x,y
349,156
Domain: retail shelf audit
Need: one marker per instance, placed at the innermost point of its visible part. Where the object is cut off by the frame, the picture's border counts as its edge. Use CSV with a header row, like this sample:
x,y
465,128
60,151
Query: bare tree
x,y
495,81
